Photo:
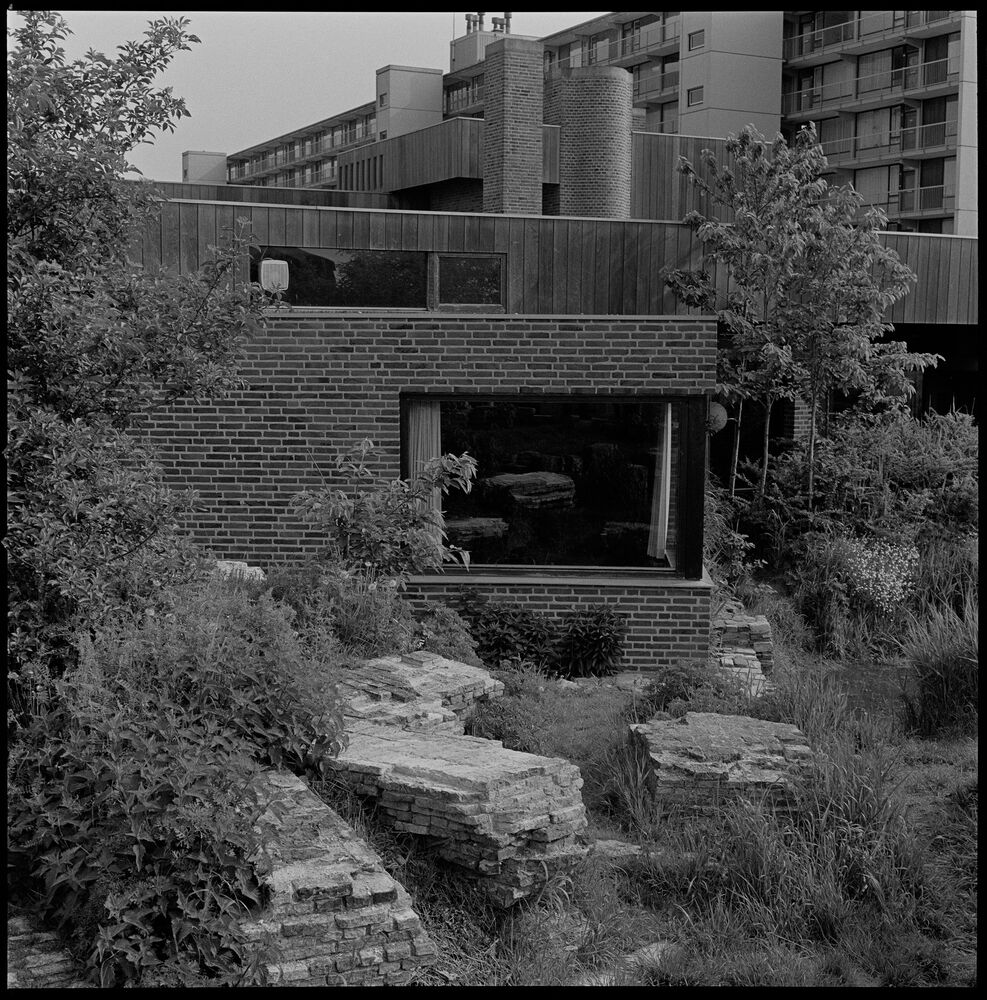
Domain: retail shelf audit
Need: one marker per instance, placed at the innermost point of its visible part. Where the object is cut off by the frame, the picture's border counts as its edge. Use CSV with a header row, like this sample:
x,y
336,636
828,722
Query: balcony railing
x,y
871,27
653,84
928,136
649,37
923,199
875,86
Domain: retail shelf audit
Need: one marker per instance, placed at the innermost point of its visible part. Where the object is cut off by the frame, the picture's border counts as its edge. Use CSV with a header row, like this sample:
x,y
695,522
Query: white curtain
x,y
661,489
424,440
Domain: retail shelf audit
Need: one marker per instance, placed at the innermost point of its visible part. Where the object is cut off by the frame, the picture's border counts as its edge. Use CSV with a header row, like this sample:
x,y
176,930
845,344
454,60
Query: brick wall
x,y
512,133
668,620
460,195
595,142
320,382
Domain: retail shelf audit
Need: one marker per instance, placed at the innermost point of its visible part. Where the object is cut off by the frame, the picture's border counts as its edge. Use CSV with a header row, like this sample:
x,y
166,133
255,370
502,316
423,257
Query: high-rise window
x,y
697,39
694,96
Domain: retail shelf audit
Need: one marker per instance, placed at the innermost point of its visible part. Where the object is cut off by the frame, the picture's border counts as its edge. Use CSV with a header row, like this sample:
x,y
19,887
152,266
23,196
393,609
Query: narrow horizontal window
x,y
694,96
389,279
697,39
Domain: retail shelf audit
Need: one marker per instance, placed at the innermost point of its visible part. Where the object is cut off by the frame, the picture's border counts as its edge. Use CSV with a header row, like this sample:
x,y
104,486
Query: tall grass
x,y
943,686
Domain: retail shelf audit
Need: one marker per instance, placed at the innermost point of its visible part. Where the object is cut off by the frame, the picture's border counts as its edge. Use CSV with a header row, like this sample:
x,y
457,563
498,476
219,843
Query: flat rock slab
x,y
507,818
532,490
419,691
705,759
37,959
337,918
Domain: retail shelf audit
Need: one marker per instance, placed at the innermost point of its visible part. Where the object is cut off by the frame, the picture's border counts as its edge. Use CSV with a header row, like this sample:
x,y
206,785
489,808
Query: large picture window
x,y
561,482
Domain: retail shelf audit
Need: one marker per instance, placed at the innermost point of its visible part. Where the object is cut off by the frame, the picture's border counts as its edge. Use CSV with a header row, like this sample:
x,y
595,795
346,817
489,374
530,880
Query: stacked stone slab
x,y
417,691
735,633
507,819
36,959
336,917
703,760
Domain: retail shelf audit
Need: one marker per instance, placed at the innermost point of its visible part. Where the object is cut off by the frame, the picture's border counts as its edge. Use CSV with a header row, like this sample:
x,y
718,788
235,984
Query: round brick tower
x,y
594,142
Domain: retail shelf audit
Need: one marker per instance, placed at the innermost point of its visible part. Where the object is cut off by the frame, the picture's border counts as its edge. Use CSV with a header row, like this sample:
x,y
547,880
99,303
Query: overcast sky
x,y
256,75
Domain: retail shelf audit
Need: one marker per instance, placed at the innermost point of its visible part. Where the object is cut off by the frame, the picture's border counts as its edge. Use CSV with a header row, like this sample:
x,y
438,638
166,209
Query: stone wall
x,y
336,917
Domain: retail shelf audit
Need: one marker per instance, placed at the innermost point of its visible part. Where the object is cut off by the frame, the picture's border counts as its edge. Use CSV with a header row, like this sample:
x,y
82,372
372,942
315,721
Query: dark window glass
x,y
561,483
471,280
388,279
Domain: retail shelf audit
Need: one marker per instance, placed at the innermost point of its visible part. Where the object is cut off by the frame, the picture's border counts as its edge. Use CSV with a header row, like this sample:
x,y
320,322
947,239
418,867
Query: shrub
x,y
392,529
725,549
444,631
134,831
880,572
505,630
590,643
581,644
688,686
138,779
943,686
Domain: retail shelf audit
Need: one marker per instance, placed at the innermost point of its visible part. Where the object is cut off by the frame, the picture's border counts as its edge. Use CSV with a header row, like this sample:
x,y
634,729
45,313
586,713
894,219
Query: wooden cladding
x,y
553,265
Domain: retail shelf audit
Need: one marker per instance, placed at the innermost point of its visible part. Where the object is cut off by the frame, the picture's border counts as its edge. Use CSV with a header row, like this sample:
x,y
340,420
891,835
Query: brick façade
x,y
318,382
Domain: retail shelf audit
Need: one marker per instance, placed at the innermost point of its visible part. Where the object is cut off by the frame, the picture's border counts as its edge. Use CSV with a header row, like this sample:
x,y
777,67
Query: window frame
x,y
691,475
689,102
694,43
435,280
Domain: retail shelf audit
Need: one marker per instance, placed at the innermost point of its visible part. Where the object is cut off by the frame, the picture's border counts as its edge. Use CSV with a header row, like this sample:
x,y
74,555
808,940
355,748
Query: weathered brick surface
x,y
703,760
507,819
336,916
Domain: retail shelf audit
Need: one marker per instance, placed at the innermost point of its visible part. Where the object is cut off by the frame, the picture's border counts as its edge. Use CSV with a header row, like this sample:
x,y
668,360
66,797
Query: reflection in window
x,y
471,280
389,279
560,483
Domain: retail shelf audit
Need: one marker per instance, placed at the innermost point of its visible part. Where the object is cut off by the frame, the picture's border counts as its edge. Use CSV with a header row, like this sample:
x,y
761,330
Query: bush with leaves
x,y
392,529
95,342
580,644
443,630
135,786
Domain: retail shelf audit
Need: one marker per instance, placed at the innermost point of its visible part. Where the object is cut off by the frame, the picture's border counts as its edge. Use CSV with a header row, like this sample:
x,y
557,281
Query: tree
x,y
95,342
807,280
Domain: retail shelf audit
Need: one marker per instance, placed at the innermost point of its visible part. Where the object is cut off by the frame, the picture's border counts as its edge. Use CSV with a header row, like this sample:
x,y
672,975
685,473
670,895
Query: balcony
x,y
935,138
870,31
644,42
654,86
911,143
935,200
875,88
457,101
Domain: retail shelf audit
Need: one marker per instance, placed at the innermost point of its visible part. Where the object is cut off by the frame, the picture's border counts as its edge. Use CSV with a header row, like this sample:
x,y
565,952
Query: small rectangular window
x,y
471,280
697,39
382,100
694,96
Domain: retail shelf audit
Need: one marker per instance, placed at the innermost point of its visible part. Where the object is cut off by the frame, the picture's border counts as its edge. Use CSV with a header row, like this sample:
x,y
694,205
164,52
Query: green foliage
x,y
151,813
725,550
95,342
590,643
444,631
505,630
393,529
580,644
943,687
810,280
688,686
139,778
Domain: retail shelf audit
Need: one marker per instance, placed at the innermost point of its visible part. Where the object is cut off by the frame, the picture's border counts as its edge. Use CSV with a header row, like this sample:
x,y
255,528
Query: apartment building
x,y
893,96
